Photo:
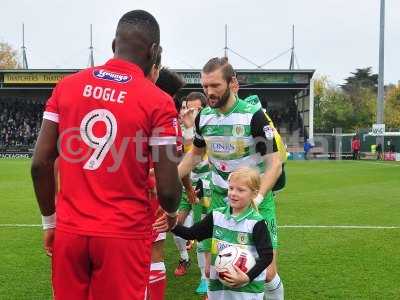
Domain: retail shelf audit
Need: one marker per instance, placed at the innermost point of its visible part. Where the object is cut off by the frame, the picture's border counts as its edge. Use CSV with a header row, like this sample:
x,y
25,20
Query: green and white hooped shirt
x,y
247,230
234,139
231,230
201,171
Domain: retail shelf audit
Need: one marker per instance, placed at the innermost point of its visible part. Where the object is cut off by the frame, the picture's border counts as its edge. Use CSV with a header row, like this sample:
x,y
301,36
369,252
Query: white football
x,y
233,256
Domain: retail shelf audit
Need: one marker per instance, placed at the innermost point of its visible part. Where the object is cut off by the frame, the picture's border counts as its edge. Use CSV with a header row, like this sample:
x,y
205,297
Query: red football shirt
x,y
108,118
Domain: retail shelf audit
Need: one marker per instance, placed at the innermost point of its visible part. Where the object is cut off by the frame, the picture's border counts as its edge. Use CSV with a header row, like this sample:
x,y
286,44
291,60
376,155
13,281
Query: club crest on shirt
x,y
242,238
238,130
269,132
111,76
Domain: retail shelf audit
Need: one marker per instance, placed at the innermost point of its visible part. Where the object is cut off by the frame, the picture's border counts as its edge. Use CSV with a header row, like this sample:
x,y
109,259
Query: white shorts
x,y
159,237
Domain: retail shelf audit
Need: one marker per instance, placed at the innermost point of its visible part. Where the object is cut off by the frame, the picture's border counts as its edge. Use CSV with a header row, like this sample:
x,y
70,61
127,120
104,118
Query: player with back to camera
x,y
238,224
170,82
100,241
190,204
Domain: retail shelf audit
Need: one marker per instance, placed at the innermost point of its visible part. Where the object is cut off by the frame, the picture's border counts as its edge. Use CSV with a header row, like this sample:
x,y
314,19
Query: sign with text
x,y
254,78
191,77
272,78
15,154
33,78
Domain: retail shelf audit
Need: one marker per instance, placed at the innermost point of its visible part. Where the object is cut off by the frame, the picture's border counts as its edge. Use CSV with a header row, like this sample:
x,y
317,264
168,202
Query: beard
x,y
219,101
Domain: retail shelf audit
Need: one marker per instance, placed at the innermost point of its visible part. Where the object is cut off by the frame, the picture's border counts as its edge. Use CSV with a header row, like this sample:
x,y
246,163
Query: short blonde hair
x,y
250,177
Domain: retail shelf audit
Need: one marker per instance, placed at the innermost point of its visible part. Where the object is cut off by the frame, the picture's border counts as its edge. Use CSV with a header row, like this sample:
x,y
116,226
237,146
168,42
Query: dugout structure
x,y
278,90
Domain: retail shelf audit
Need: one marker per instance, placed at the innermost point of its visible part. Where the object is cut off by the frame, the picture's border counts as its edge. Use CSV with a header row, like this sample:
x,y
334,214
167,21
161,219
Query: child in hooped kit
x,y
238,224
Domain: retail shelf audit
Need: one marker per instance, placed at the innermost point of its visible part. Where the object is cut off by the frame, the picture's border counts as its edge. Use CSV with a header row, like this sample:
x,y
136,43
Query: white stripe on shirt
x,y
159,141
51,116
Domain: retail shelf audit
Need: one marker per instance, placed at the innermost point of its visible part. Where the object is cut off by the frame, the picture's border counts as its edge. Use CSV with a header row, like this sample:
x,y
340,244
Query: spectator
x,y
19,122
307,148
355,147
379,154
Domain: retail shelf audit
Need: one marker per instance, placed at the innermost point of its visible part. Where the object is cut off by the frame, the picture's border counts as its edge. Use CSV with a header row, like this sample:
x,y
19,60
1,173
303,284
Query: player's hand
x,y
172,221
48,240
182,217
165,223
236,278
192,196
159,212
161,224
188,117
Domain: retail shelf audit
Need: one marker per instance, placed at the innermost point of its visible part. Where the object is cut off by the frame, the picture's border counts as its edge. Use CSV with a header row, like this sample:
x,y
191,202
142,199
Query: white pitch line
x,y
339,226
378,163
281,226
20,225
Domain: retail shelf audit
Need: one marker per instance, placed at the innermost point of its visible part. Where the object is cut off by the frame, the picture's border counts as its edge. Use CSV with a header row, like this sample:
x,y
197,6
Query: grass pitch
x,y
315,262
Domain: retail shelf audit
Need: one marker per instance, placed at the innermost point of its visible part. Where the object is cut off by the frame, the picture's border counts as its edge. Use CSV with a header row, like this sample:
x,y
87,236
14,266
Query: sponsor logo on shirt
x,y
222,147
221,245
111,76
223,166
248,108
208,131
218,233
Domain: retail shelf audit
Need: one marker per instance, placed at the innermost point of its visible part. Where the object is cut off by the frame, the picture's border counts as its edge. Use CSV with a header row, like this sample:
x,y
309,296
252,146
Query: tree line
x,y
352,105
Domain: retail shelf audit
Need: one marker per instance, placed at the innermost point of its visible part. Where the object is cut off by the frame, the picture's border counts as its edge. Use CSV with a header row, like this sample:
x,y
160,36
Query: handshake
x,y
165,221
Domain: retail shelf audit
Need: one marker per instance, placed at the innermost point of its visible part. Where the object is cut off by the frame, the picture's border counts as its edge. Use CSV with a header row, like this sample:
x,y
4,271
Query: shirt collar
x,y
240,217
118,63
225,114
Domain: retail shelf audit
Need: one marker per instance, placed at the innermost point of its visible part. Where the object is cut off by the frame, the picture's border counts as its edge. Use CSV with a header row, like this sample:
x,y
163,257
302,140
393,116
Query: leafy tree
x,y
349,109
320,87
8,57
361,78
336,110
392,107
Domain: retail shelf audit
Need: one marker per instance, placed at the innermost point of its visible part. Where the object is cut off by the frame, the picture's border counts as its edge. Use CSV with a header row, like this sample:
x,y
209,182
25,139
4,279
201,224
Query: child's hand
x,y
236,278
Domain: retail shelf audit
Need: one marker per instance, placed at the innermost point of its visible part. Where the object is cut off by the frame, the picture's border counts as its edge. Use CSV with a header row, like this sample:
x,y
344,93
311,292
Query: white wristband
x,y
49,221
258,199
172,215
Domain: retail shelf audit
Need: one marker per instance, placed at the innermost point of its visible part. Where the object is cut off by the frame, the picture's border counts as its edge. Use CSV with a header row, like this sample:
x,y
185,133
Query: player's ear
x,y
113,46
154,48
234,85
153,74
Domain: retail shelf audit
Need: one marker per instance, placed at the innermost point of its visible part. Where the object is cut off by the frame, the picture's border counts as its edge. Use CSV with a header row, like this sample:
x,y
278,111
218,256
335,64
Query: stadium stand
x,y
20,121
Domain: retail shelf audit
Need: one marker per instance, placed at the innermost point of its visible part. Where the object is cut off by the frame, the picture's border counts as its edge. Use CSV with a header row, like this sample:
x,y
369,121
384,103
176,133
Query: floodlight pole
x,y
381,87
91,58
311,111
291,65
24,59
